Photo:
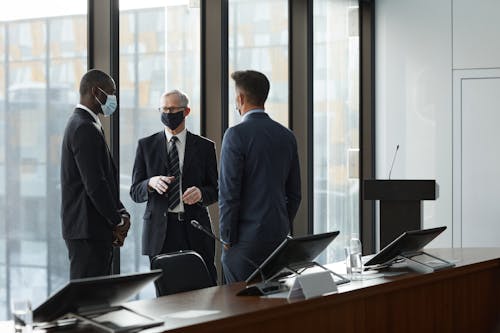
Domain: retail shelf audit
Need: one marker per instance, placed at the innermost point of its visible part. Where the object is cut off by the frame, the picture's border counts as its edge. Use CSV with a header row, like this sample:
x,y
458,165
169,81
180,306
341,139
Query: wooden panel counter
x,y
461,299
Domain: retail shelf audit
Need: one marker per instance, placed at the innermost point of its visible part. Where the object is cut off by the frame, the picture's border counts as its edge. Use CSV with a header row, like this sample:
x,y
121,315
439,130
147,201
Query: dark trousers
x,y
89,258
243,258
177,239
177,235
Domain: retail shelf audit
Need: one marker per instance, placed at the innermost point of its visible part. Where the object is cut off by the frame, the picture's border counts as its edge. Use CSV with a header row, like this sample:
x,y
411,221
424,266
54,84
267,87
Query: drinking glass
x,y
22,315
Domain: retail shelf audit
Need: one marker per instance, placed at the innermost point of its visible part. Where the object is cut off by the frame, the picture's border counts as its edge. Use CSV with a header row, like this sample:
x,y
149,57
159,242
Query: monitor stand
x,y
301,267
424,262
270,286
116,319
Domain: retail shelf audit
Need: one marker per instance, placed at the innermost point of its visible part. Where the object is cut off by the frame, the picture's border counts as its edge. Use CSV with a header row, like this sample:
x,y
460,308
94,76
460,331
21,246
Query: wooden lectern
x,y
400,204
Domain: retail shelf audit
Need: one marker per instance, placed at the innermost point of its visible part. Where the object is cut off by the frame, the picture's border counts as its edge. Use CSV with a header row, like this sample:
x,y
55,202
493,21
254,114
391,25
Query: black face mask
x,y
172,120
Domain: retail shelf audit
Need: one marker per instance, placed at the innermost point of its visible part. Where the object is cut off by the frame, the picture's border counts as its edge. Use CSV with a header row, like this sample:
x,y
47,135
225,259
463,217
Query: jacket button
x,y
164,214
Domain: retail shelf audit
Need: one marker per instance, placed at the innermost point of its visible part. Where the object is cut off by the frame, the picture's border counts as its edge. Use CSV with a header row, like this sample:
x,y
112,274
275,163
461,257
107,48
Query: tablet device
x,y
407,242
294,253
83,295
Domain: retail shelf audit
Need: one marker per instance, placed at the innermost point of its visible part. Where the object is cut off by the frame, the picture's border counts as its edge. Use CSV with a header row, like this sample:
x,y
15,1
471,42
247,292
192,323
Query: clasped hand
x,y
191,196
120,232
160,184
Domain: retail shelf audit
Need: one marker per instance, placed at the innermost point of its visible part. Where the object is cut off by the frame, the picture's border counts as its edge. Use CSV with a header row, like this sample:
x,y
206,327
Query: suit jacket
x,y
199,169
90,206
259,184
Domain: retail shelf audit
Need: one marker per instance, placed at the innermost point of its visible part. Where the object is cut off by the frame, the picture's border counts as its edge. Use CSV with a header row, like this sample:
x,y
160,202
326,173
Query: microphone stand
x,y
265,287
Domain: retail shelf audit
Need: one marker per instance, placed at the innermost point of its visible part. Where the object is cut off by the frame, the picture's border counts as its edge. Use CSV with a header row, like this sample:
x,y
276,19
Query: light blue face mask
x,y
110,106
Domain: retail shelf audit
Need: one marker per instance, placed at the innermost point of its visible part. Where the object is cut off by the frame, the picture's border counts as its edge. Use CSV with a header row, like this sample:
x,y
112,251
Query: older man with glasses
x,y
175,172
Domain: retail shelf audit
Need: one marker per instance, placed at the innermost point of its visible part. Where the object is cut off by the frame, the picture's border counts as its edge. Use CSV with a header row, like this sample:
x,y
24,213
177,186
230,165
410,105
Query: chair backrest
x,y
182,271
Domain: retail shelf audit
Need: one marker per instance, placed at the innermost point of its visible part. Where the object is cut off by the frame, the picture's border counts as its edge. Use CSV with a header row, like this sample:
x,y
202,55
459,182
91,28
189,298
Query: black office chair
x,y
182,271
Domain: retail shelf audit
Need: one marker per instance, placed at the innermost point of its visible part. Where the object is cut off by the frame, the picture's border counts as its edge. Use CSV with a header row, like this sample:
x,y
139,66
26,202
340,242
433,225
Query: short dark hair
x,y
94,78
253,84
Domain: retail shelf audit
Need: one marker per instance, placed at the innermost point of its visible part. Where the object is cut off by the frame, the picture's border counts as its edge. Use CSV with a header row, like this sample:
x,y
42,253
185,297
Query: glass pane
x,y
258,40
43,57
336,121
3,222
159,51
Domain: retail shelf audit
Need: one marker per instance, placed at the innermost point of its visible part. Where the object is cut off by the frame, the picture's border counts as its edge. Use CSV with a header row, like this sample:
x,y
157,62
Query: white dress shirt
x,y
250,112
97,121
181,148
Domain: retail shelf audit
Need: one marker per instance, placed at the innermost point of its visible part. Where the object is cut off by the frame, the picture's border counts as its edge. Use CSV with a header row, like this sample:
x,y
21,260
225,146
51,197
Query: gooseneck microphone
x,y
393,159
198,226
264,287
209,233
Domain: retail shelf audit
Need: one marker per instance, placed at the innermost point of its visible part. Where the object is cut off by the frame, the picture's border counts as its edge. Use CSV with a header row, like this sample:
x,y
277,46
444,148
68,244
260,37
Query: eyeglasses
x,y
172,109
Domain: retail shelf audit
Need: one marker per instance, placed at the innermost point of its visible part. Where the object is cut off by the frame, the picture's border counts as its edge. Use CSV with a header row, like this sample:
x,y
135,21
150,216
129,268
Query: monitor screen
x,y
410,241
92,293
294,252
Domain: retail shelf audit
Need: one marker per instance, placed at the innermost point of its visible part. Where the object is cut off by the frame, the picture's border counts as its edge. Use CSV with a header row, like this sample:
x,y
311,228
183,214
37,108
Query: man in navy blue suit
x,y
259,182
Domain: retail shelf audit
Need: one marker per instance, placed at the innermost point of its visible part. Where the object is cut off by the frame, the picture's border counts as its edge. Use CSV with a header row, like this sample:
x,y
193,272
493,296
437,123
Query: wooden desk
x,y
462,299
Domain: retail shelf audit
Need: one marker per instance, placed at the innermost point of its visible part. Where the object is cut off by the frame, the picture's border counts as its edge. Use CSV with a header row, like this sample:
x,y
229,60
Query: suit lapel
x,y
189,152
161,143
86,116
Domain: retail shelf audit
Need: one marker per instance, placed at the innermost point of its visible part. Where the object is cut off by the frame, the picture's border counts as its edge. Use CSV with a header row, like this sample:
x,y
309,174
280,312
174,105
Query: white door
x,y
476,199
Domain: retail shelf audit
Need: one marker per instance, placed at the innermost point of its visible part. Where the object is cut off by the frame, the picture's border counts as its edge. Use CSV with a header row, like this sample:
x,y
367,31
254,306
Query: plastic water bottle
x,y
355,262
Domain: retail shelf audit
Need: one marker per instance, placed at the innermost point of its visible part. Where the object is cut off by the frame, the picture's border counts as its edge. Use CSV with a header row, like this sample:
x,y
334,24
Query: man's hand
x,y
120,232
160,183
191,196
227,246
118,239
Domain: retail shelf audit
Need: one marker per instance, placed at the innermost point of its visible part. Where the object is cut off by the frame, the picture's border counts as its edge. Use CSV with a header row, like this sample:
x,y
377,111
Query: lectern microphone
x,y
393,159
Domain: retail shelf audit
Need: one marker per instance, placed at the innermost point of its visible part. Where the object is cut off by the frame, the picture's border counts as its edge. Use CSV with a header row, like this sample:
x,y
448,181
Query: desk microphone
x,y
258,289
393,159
198,226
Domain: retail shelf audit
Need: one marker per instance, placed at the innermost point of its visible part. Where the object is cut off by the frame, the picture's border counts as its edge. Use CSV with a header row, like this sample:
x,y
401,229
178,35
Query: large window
x,y
258,40
336,120
42,58
159,51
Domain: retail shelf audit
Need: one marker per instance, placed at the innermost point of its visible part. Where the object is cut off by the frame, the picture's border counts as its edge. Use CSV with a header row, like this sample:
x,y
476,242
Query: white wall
x,y
476,39
426,51
413,98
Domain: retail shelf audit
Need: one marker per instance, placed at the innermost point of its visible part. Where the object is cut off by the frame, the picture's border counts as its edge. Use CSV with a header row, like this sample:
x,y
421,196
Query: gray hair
x,y
183,98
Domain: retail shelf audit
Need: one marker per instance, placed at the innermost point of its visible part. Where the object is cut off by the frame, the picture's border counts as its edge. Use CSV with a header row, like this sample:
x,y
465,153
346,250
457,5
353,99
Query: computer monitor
x,y
407,242
293,253
92,293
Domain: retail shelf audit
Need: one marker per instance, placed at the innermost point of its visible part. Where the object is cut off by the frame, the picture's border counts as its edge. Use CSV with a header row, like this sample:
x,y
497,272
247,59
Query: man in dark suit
x,y
259,188
175,171
93,218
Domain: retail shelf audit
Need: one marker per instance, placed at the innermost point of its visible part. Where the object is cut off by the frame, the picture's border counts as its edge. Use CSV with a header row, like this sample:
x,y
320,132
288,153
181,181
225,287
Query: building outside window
x,y
43,54
258,40
336,121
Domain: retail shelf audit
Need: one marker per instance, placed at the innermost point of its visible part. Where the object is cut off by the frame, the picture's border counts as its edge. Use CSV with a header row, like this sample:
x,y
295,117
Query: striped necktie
x,y
174,196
